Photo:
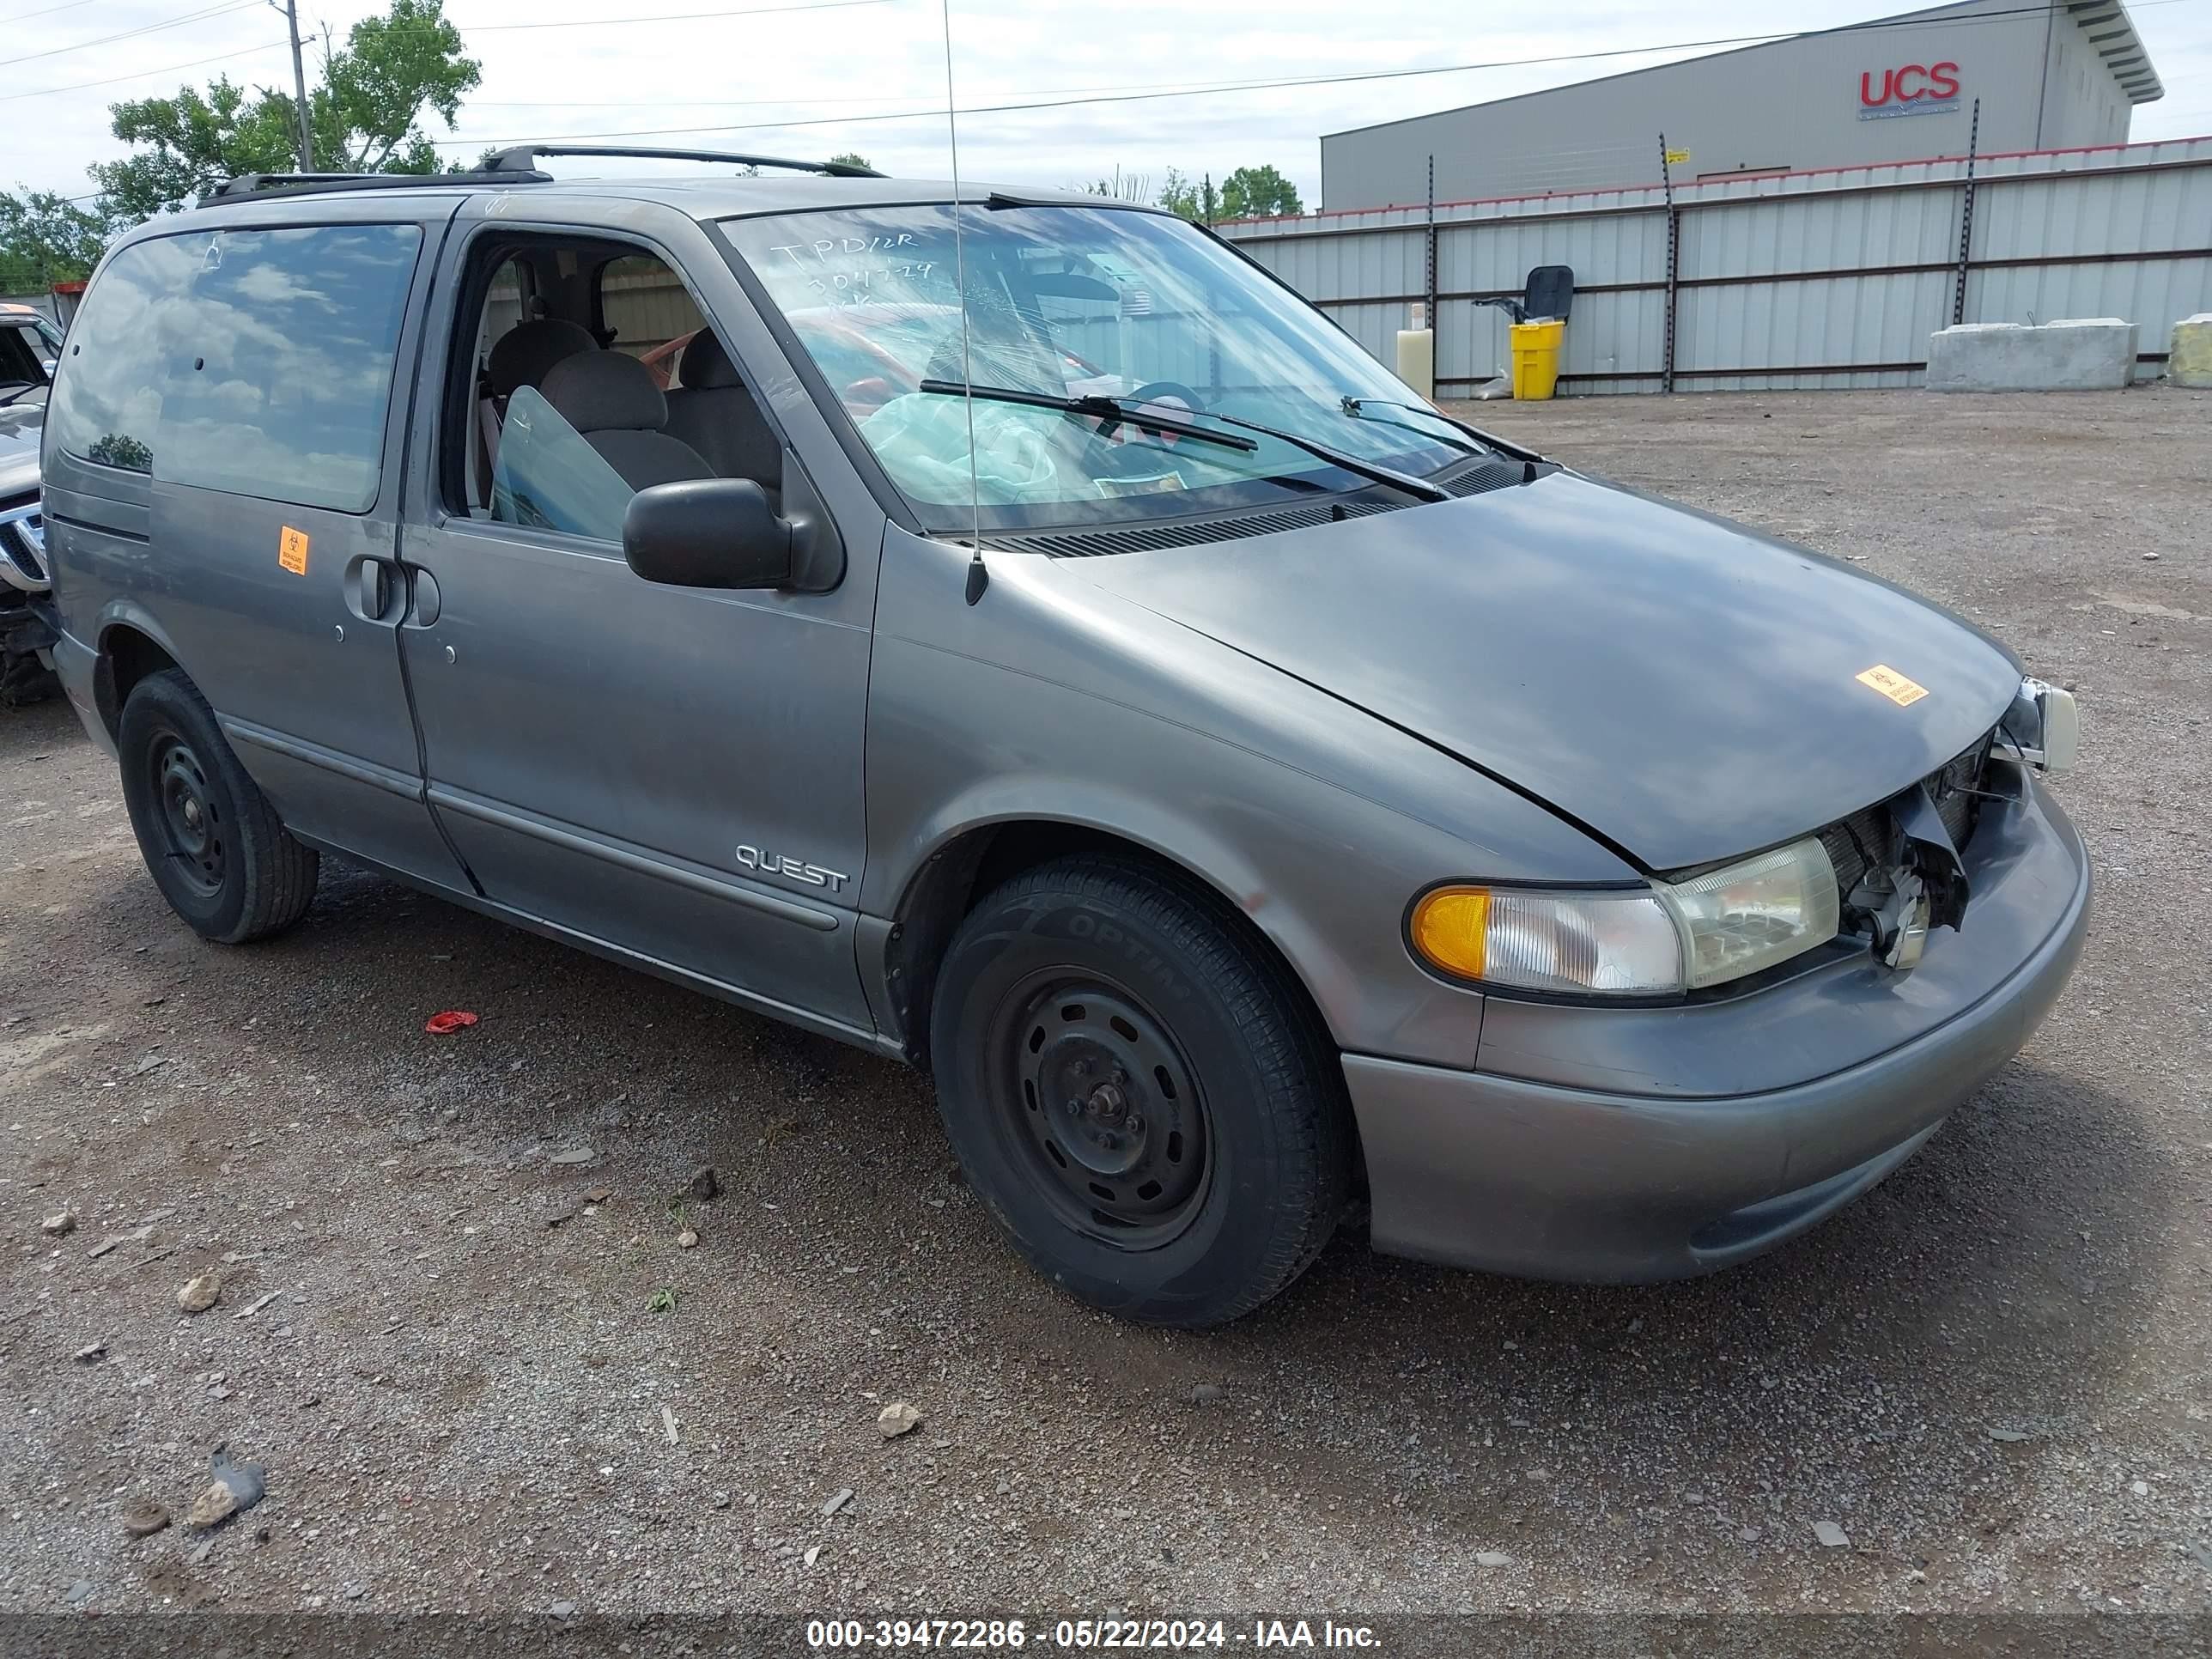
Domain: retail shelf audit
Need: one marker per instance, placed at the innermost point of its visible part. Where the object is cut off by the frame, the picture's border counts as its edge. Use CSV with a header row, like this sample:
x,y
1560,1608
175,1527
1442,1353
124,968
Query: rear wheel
x,y
210,837
1138,1091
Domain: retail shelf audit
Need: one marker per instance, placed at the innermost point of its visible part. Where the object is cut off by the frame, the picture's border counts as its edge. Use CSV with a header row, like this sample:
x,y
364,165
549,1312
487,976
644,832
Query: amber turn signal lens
x,y
1451,930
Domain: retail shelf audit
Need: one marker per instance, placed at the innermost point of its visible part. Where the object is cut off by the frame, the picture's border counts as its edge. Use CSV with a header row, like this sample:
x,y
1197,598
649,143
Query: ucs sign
x,y
1916,89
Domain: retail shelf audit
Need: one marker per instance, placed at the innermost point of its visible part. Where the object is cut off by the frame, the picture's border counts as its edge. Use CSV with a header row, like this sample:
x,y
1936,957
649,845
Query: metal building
x,y
2048,77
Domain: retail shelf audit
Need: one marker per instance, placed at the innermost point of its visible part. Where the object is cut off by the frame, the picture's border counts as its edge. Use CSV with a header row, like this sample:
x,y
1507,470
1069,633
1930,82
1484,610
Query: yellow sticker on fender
x,y
1892,685
292,552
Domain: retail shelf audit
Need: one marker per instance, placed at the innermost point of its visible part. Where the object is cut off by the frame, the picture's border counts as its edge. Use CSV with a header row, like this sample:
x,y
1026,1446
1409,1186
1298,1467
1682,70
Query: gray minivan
x,y
1020,636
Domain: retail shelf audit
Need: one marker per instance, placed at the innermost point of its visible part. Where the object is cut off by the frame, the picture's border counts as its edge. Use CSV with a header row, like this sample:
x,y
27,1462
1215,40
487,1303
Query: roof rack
x,y
522,158
284,184
515,165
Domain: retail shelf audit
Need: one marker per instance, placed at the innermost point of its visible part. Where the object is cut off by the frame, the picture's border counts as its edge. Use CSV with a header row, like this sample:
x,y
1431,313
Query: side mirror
x,y
707,532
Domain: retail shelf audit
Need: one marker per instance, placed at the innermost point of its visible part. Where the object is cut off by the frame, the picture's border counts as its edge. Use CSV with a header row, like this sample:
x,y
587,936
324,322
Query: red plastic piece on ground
x,y
452,1020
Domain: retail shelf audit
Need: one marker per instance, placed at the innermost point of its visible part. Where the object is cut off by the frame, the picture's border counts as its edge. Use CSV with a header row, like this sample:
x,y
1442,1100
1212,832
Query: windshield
x,y
1075,303
22,355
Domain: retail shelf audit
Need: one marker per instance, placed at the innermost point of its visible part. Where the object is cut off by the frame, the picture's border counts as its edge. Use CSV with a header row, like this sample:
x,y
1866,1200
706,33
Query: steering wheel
x,y
1110,455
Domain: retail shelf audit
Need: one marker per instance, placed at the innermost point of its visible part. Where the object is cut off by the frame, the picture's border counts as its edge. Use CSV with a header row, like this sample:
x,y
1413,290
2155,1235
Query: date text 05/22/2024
x,y
1014,1635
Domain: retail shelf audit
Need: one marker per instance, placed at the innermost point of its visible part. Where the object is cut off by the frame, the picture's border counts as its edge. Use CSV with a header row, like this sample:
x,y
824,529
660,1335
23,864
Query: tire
x,y
25,680
210,837
1138,1093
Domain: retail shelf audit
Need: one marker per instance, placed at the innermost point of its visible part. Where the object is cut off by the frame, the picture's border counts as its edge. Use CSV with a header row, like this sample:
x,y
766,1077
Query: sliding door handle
x,y
372,586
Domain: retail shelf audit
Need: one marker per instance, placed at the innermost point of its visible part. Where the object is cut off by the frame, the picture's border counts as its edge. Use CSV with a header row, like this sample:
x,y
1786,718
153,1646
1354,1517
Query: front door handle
x,y
422,599
372,586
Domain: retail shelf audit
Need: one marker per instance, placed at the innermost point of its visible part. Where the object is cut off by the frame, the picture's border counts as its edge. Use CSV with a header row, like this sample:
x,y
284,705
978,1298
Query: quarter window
x,y
106,400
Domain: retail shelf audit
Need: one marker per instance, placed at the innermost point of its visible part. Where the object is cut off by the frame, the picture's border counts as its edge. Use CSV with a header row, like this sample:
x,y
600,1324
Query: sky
x,y
853,75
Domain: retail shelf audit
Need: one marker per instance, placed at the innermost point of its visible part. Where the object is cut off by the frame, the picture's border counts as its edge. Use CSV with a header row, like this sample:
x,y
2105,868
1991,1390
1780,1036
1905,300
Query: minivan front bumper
x,y
1541,1179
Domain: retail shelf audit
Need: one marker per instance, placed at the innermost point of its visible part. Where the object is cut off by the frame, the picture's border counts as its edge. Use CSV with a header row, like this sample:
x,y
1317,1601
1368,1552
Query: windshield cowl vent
x,y
1476,478
1148,537
1479,478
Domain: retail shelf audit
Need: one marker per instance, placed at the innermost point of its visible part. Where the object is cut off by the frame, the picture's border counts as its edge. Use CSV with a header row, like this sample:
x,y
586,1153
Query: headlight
x,y
2044,725
1660,941
1747,917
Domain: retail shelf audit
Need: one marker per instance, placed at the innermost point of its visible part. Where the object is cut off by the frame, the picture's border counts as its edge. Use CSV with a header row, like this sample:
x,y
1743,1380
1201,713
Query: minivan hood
x,y
1683,686
19,449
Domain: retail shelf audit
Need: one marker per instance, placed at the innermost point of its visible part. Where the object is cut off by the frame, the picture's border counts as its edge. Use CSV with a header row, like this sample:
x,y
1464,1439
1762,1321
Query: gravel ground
x,y
1992,1376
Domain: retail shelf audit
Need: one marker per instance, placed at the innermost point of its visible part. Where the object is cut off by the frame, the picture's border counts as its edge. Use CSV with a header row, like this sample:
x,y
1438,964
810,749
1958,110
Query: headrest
x,y
520,356
705,364
605,391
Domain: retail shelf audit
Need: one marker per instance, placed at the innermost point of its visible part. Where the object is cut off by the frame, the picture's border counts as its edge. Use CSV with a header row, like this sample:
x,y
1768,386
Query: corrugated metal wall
x,y
1827,279
2046,74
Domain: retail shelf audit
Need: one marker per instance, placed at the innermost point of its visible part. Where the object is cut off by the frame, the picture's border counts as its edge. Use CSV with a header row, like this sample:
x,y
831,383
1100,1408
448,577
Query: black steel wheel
x,y
1139,1092
188,818
210,839
1095,1086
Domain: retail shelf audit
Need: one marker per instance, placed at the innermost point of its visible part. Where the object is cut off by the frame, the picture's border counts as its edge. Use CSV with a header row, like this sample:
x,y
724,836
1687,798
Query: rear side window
x,y
258,362
282,371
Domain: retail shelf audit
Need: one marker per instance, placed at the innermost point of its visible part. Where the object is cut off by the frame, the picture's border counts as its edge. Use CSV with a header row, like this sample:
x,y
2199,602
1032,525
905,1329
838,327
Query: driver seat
x,y
714,413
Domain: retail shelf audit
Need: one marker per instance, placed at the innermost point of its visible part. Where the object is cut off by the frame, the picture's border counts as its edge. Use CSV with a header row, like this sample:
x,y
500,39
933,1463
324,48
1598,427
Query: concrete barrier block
x,y
2079,354
2189,360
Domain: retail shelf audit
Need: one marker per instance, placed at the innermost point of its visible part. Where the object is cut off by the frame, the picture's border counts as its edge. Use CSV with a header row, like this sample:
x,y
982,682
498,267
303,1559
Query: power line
x,y
44,11
201,15
665,17
1143,96
224,8
140,74
229,6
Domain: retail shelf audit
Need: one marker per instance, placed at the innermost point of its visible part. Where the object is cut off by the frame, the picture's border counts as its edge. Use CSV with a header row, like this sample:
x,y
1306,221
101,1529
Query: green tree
x,y
366,117
46,238
851,158
1193,198
1258,192
365,114
119,449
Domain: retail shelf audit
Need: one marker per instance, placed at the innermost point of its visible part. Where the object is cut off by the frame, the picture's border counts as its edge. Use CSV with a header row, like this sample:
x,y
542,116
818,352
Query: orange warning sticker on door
x,y
292,550
1892,685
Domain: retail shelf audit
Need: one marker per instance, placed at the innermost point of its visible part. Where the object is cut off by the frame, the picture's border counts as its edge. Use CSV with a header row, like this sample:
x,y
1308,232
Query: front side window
x,y
281,363
548,476
596,374
1074,302
649,313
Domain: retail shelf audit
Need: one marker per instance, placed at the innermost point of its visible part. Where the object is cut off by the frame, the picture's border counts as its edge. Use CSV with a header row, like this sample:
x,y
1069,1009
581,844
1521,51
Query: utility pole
x,y
299,89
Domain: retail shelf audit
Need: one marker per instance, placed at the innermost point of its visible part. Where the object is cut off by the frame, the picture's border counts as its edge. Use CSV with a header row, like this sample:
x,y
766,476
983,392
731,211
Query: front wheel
x,y
1138,1091
210,837
25,680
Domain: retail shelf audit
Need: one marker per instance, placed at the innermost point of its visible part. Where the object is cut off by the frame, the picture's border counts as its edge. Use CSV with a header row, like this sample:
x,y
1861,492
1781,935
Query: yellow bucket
x,y
1536,359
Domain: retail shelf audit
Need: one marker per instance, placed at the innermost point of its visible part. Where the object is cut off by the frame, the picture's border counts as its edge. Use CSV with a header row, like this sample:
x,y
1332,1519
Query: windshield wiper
x,y
1097,405
1358,409
1489,441
1102,407
1335,457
